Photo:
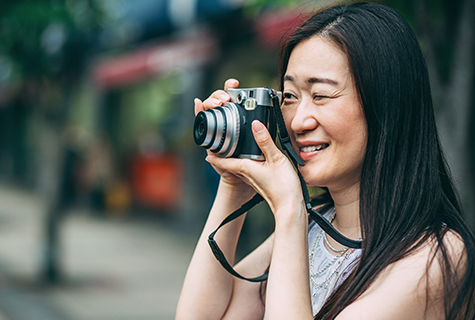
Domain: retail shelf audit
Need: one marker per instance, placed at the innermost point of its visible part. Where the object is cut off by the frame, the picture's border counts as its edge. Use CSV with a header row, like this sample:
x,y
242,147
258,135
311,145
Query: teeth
x,y
314,148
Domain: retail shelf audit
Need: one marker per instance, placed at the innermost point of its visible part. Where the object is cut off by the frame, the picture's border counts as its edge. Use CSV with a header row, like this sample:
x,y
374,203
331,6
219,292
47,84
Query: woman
x,y
358,108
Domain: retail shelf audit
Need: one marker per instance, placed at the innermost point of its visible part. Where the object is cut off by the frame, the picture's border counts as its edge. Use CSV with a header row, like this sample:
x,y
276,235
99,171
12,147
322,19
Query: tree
x,y
48,42
445,29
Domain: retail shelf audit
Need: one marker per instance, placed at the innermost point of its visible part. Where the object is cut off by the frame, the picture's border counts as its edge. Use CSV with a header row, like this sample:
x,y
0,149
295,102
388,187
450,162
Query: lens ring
x,y
220,130
233,130
229,134
204,128
211,128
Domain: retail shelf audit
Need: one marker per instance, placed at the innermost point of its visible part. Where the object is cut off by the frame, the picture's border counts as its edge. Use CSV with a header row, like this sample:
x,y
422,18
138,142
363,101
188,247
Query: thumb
x,y
198,106
265,142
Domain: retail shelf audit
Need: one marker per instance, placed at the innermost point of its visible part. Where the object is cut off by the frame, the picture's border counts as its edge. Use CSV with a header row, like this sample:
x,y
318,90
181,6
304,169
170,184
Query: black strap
x,y
283,134
315,215
217,251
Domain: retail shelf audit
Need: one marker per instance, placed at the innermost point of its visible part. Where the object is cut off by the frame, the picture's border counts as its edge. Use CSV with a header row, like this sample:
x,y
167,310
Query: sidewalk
x,y
120,269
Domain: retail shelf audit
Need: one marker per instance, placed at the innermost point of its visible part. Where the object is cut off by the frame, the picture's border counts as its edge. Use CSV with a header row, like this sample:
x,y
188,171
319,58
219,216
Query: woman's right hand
x,y
209,290
216,99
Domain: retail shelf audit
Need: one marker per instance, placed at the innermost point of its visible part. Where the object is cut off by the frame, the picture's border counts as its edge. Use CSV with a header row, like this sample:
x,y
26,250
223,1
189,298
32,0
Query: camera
x,y
226,130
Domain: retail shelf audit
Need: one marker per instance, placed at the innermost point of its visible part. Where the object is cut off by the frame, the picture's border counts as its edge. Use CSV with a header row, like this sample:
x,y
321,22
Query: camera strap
x,y
315,215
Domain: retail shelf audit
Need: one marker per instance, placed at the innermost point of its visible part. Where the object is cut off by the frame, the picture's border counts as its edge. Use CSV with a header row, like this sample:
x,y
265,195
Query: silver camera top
x,y
252,97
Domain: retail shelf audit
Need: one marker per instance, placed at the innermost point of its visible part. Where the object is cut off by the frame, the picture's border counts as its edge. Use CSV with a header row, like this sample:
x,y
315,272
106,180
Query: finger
x,y
232,165
217,98
198,106
231,84
265,142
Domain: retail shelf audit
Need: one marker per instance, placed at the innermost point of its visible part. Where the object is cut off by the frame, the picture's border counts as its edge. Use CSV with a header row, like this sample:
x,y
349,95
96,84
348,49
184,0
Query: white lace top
x,y
327,271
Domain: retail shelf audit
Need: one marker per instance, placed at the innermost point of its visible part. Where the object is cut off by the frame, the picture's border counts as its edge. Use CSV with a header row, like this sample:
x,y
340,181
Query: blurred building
x,y
128,130
145,79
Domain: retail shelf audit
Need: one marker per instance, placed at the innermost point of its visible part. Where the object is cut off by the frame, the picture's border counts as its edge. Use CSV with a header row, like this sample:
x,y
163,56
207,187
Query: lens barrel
x,y
218,129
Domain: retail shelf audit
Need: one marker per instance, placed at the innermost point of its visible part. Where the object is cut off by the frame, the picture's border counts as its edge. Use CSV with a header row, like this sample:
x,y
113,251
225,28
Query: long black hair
x,y
406,192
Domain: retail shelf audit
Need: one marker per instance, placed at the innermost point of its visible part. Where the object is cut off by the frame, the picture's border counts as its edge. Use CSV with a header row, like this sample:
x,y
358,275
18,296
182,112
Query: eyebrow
x,y
313,80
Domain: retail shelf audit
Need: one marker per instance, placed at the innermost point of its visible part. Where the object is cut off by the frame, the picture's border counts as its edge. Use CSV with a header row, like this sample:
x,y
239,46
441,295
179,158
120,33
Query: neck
x,y
347,219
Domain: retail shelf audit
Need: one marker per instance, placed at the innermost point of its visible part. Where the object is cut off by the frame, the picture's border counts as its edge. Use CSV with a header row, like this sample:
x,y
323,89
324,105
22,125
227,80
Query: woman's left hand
x,y
274,179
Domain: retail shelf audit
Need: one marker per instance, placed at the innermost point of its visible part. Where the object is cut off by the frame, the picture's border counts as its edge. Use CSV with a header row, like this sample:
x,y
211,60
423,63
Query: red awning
x,y
184,53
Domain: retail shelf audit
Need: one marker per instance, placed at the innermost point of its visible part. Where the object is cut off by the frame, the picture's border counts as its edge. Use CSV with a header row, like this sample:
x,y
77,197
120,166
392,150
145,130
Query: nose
x,y
303,119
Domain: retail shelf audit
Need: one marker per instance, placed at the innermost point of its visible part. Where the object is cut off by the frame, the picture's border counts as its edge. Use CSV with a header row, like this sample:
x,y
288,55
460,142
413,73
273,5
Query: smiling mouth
x,y
314,148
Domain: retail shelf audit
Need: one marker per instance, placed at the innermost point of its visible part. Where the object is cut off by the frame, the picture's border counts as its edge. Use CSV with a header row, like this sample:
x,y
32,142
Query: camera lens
x,y
218,129
202,132
201,129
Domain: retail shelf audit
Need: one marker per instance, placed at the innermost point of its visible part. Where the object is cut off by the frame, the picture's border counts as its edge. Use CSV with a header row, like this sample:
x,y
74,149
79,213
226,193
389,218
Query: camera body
x,y
226,130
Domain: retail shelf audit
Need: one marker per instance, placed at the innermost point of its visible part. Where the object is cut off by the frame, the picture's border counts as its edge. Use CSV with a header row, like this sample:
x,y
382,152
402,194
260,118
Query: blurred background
x,y
103,192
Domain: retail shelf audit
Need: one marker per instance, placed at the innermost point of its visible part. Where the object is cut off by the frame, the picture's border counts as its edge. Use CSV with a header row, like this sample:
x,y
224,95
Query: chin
x,y
311,180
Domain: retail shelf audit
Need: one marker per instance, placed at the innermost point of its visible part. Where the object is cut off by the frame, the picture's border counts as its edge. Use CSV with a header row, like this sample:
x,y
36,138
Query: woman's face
x,y
324,116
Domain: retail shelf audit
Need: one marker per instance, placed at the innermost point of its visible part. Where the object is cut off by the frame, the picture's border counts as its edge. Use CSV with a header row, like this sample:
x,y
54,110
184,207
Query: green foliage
x,y
37,36
254,7
273,3
435,23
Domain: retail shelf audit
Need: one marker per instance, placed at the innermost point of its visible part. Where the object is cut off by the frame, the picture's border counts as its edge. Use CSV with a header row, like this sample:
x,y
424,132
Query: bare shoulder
x,y
411,287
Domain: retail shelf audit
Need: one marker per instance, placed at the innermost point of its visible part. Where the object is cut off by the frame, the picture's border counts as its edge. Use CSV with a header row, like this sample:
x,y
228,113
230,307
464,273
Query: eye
x,y
289,97
319,97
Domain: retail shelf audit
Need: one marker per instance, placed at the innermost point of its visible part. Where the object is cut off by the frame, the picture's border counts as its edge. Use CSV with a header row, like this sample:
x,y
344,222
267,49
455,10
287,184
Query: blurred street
x,y
96,115
113,268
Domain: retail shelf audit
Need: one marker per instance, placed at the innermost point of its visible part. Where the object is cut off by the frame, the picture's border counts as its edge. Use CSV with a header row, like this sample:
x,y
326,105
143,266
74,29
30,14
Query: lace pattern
x,y
328,271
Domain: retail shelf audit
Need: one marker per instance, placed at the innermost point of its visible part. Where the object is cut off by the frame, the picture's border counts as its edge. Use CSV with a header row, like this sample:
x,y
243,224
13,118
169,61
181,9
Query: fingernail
x,y
257,126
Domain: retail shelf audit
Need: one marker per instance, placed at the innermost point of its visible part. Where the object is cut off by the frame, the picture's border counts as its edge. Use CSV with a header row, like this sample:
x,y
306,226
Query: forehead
x,y
318,57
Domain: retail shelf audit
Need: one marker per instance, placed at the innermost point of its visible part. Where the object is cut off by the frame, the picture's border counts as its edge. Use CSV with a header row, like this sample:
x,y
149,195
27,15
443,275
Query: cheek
x,y
288,114
349,129
360,129
356,137
352,117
